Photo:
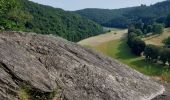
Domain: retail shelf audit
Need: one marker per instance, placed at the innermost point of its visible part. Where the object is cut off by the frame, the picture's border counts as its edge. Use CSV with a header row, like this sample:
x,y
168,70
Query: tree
x,y
29,16
149,28
6,6
167,22
158,28
131,36
151,52
163,55
138,46
138,32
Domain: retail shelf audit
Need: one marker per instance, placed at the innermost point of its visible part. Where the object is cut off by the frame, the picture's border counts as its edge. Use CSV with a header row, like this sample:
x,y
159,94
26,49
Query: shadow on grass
x,y
139,63
124,51
148,67
119,50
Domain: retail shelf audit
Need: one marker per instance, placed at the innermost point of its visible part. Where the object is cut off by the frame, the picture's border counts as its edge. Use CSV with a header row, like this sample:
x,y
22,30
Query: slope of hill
x,y
29,16
117,48
39,67
103,38
122,18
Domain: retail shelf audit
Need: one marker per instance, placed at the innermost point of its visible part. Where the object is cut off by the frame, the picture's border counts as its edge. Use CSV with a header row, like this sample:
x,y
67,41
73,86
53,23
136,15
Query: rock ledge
x,y
47,62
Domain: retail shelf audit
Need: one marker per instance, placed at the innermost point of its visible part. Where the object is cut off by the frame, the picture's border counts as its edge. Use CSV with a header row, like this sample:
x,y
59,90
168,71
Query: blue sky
x,y
107,4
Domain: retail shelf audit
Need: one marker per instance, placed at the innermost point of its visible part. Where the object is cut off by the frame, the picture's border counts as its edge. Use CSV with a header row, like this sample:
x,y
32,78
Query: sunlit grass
x,y
118,49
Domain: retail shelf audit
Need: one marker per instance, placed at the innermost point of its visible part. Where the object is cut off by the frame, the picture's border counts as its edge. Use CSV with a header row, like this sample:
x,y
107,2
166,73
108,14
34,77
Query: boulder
x,y
46,63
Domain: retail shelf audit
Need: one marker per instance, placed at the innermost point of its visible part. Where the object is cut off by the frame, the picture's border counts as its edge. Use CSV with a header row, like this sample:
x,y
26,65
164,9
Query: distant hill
x,y
121,18
29,16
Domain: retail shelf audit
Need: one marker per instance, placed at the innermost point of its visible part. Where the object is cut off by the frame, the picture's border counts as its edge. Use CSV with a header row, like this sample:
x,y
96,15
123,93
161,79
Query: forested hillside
x,y
124,17
24,15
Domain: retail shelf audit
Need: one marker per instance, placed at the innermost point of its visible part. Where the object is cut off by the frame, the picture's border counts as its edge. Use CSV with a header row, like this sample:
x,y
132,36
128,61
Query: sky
x,y
72,5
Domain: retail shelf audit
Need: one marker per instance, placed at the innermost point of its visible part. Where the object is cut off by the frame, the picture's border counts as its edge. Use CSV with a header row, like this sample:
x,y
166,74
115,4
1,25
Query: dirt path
x,y
97,40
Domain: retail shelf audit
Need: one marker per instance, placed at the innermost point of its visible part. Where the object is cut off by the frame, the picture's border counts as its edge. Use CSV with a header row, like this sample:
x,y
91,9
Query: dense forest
x,y
122,18
24,15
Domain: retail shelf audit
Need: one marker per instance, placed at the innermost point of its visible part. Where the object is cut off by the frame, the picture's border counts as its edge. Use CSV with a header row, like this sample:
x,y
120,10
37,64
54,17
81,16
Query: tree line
x,y
156,53
151,52
124,17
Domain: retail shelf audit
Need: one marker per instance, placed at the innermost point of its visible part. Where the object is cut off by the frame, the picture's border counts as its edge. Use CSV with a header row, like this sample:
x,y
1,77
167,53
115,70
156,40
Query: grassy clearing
x,y
157,39
97,40
118,49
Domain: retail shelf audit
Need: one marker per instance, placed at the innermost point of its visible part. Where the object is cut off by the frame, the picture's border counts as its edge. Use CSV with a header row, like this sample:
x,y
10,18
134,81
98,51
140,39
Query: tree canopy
x,y
29,16
6,6
122,18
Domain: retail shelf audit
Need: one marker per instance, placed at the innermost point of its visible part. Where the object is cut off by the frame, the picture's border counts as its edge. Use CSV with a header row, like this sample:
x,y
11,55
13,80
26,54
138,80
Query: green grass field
x,y
118,49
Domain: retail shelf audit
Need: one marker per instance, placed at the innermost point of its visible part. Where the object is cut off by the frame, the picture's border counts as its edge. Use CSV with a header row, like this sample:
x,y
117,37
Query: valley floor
x,y
115,46
103,38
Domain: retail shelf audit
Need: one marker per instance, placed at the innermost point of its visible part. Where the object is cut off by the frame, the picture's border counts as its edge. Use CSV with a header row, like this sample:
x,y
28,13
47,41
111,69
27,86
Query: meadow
x,y
119,50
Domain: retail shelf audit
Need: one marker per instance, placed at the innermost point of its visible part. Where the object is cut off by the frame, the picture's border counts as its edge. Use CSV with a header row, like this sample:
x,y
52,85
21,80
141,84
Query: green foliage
x,y
126,16
118,49
151,52
136,44
167,22
48,20
158,28
29,16
138,32
163,55
6,6
156,53
27,93
167,41
131,36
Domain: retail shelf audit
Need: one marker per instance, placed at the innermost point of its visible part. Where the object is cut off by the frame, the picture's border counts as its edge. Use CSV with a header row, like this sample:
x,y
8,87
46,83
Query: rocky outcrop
x,y
45,63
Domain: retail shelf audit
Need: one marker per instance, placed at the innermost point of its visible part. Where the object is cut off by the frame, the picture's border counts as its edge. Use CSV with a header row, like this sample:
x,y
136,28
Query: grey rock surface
x,y
47,62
